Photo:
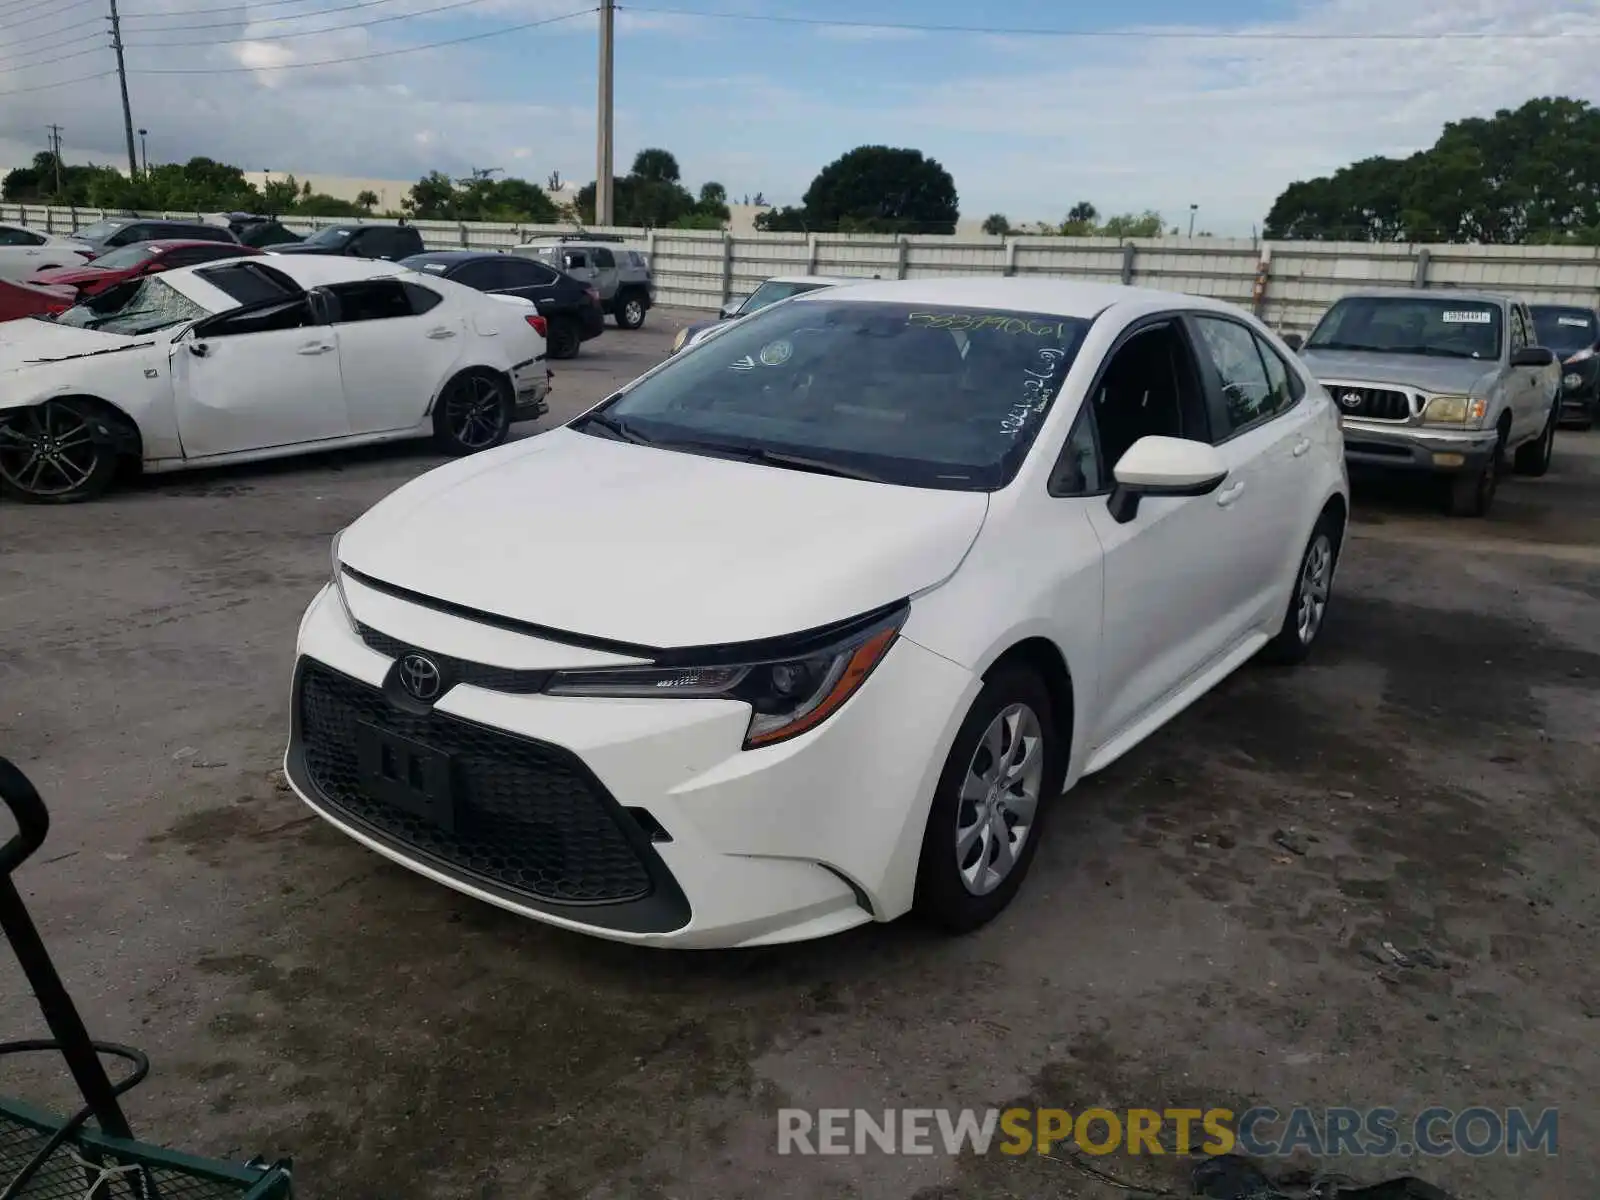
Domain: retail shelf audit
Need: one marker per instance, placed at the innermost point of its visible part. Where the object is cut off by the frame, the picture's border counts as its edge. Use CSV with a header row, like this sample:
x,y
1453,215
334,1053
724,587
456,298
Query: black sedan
x,y
1574,334
571,308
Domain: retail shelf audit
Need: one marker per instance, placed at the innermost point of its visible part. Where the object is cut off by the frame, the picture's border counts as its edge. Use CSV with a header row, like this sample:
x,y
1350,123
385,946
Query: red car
x,y
135,260
33,299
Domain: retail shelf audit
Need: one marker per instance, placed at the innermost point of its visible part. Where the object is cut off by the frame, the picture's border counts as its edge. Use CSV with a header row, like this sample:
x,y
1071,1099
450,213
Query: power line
x,y
1128,34
239,8
293,33
27,6
44,87
252,19
45,62
352,58
90,33
59,9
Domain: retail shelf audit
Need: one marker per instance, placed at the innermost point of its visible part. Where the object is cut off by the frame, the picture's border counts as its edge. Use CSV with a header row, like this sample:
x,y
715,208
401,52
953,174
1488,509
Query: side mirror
x,y
1533,356
1163,466
32,818
730,310
1294,341
199,349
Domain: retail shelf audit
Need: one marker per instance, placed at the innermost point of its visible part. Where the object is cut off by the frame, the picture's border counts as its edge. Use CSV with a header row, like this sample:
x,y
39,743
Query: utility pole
x,y
55,149
122,76
603,209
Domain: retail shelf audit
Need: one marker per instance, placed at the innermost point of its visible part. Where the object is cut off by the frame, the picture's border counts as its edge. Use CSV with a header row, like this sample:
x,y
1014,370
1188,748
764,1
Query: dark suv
x,y
358,240
124,231
1574,334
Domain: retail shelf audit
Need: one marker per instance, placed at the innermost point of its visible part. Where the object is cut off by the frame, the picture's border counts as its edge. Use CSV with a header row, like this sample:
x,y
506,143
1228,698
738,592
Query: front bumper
x,y
635,820
1392,446
1580,390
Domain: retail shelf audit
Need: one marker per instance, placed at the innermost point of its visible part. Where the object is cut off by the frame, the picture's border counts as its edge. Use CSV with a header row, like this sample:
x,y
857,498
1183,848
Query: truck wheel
x,y
1472,494
630,310
1534,458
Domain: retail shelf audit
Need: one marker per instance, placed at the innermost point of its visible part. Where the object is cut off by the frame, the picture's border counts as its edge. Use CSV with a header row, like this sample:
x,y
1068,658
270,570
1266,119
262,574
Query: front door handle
x,y
440,333
1301,447
315,348
1229,494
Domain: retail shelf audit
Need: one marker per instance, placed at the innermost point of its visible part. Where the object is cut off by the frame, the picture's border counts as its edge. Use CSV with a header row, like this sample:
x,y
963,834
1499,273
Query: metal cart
x,y
46,1157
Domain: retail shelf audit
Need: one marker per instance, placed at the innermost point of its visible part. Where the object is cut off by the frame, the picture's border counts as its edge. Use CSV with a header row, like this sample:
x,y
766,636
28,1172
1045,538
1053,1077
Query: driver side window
x,y
290,314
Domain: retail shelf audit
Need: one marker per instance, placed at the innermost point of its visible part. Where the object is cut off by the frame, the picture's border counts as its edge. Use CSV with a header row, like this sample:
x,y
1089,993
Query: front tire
x,y
1533,459
1308,603
58,452
473,414
1007,763
1472,495
630,310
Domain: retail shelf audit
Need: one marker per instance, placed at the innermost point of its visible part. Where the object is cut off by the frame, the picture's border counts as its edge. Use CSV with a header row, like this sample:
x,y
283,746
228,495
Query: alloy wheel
x,y
999,799
1316,579
474,412
48,451
633,313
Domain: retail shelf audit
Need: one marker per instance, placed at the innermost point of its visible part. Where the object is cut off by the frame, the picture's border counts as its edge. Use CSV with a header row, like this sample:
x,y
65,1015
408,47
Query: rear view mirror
x,y
29,814
1294,341
1163,466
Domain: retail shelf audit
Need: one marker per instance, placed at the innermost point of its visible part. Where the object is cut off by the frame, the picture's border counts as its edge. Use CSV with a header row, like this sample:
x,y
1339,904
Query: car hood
x,y
657,547
71,275
1448,375
25,341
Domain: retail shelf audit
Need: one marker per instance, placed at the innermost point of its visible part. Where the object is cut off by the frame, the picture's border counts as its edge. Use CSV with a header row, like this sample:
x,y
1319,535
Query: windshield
x,y
124,256
1564,330
99,231
332,236
151,304
1436,325
771,292
924,396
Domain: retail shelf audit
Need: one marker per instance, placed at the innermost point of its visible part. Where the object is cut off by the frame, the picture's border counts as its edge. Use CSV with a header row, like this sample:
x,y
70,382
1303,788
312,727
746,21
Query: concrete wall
x,y
1288,283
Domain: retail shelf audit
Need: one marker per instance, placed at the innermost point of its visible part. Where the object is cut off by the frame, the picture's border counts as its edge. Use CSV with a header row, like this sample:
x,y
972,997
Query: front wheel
x,y
1006,764
1308,603
1472,495
1533,459
57,452
630,310
473,414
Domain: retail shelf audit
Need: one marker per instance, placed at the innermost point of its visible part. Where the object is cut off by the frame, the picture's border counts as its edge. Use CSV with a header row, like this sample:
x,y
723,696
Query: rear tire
x,y
1313,592
1003,771
473,413
564,338
630,310
59,452
1533,459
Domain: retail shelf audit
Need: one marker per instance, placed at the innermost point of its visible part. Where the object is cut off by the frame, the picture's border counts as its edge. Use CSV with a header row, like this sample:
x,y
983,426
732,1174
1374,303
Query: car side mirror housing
x,y
1294,341
199,349
1533,356
730,310
1163,466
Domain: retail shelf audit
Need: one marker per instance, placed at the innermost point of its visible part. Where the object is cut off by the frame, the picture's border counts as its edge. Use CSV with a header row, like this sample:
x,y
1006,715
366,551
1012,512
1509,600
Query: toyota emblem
x,y
420,677
1351,399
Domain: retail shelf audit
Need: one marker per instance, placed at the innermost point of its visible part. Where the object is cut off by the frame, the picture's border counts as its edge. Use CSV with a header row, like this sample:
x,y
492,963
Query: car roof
x,y
1432,293
1566,307
1056,297
456,256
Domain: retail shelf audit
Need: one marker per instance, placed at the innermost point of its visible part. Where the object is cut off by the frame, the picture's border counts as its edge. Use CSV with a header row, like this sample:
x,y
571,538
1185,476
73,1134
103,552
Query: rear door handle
x,y
1229,494
315,348
1301,447
441,333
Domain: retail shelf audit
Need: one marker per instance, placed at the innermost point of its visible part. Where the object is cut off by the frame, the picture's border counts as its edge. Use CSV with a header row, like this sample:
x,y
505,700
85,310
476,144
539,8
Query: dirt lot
x,y
1438,764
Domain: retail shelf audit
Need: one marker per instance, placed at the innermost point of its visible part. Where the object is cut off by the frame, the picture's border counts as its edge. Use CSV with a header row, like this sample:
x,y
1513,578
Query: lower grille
x,y
527,818
1375,404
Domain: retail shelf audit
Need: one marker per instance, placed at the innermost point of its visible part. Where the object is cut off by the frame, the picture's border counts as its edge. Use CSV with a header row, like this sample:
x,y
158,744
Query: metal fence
x,y
1287,283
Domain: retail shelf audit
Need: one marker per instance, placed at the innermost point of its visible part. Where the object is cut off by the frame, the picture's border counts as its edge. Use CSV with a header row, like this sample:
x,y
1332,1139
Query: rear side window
x,y
12,236
420,298
369,300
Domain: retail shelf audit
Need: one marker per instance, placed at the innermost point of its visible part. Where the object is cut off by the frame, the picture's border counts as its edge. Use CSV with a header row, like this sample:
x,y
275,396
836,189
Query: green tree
x,y
651,196
713,195
320,204
367,199
996,225
432,198
278,196
1130,225
876,189
658,166
1083,212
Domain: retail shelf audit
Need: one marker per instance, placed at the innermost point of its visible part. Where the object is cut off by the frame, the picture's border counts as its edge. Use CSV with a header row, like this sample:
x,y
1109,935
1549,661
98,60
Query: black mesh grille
x,y
526,817
1376,404
460,670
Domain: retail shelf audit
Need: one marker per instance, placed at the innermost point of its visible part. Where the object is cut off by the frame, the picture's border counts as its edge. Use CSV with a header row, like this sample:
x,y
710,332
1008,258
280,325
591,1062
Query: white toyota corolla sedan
x,y
829,610
249,359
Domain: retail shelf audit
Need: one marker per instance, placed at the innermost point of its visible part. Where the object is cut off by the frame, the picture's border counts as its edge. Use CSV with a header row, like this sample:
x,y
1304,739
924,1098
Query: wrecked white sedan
x,y
243,360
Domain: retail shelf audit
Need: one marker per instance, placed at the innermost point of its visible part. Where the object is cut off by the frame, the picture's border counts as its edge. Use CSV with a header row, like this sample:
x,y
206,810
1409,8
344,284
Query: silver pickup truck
x,y
1441,381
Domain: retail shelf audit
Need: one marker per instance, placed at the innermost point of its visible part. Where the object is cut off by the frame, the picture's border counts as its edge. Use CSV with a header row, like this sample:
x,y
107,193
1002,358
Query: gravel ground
x,y
1435,770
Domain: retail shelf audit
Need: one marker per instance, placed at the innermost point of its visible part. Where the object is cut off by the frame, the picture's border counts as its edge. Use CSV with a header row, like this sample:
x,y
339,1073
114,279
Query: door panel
x,y
252,391
392,359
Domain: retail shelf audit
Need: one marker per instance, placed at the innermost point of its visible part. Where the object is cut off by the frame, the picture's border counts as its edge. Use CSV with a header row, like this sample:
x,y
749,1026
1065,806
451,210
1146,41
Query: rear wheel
x,y
564,338
630,310
473,414
1534,458
1308,603
58,452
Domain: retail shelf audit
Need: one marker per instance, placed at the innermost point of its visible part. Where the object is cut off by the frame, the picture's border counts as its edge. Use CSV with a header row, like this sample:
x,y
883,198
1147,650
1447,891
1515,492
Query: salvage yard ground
x,y
1435,774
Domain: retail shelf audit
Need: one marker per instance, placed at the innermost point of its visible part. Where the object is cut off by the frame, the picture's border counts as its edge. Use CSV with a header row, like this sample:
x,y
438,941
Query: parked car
x,y
801,662
108,234
24,251
357,240
620,273
1449,383
23,299
254,229
257,358
779,287
1574,334
571,309
136,260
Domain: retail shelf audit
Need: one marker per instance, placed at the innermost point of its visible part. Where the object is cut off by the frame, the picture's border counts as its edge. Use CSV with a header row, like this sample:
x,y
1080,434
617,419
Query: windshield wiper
x,y
778,458
614,427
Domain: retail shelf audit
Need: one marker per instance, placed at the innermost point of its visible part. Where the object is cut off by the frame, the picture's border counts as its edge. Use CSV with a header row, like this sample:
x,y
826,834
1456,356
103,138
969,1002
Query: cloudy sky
x,y
1154,104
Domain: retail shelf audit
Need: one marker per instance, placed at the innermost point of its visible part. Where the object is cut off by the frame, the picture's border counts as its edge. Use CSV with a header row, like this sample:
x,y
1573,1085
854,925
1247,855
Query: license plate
x,y
409,775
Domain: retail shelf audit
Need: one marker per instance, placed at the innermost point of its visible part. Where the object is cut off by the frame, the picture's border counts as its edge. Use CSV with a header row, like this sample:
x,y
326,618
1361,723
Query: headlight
x,y
1581,356
787,695
677,342
1454,410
